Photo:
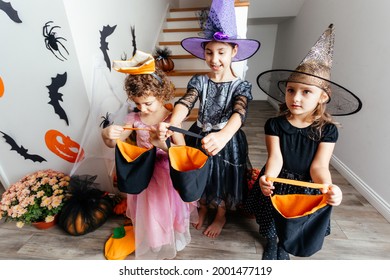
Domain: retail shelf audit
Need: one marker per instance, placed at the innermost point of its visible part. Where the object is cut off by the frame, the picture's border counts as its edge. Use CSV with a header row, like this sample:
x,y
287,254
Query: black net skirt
x,y
227,182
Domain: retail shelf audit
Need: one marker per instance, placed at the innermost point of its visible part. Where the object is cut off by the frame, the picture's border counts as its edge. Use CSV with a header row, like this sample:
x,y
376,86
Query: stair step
x,y
187,72
182,19
189,9
182,56
179,92
168,30
169,43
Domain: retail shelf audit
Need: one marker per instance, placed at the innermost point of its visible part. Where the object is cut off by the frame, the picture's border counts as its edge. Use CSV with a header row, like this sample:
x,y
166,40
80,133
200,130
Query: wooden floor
x,y
359,232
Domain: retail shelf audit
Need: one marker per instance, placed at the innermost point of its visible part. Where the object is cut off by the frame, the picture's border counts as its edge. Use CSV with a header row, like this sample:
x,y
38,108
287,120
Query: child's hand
x,y
162,131
112,132
213,143
266,186
155,140
334,195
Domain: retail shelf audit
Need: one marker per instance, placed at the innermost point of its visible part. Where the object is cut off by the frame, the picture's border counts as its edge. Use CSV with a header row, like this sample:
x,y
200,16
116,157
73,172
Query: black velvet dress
x,y
298,148
227,184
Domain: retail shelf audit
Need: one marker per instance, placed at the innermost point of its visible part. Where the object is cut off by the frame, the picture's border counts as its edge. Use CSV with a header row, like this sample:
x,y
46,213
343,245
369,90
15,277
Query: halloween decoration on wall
x,y
87,208
1,87
55,97
52,41
10,11
133,40
163,60
21,150
63,146
107,31
106,121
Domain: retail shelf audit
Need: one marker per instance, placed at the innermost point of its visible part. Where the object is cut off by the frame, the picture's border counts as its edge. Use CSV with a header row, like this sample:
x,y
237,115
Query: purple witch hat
x,y
221,26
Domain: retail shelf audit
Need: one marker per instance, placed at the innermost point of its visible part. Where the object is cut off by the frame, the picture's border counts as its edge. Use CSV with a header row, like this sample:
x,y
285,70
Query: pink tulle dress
x,y
161,219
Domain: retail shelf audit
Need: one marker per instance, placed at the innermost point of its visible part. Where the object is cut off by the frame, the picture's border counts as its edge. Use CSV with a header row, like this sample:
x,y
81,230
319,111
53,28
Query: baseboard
x,y
366,191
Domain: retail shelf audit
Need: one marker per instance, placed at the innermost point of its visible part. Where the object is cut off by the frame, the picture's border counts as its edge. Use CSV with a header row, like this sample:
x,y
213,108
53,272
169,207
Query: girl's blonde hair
x,y
319,117
143,85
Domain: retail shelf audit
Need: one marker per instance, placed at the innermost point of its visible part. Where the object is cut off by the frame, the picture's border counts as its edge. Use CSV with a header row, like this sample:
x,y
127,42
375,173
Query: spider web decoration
x,y
53,42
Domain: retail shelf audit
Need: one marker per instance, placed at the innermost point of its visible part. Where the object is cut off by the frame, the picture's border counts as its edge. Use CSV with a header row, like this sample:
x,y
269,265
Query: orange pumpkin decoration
x,y
163,60
120,244
86,209
120,208
63,146
1,87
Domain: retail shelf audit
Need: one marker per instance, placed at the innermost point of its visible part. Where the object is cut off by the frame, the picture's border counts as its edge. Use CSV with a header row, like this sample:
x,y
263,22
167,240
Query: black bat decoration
x,y
56,97
21,150
107,31
133,41
10,11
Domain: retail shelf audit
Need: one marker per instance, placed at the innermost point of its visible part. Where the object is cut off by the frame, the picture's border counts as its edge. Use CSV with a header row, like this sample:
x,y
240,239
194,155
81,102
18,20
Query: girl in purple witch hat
x,y
223,102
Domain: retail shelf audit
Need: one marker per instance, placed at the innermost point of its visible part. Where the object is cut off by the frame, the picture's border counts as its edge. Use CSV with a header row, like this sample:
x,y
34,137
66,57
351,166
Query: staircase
x,y
180,24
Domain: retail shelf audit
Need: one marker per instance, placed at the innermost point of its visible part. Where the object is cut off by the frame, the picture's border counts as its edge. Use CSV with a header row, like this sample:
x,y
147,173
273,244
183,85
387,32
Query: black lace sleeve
x,y
189,99
242,95
241,107
192,94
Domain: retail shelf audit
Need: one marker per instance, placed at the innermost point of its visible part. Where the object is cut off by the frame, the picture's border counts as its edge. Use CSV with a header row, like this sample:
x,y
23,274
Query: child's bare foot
x,y
216,226
201,217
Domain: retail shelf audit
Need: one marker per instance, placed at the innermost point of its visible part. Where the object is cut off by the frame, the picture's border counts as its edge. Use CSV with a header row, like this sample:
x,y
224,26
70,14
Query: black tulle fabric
x,y
227,184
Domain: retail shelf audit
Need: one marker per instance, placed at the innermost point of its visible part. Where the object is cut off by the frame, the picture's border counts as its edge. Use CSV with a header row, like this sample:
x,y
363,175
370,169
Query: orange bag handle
x,y
135,128
297,183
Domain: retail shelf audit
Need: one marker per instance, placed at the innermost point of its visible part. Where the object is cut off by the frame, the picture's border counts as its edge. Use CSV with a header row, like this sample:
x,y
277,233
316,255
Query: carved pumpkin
x,y
63,146
86,209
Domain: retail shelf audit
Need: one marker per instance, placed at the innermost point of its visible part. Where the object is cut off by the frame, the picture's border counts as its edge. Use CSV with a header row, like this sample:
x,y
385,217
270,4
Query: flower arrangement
x,y
36,197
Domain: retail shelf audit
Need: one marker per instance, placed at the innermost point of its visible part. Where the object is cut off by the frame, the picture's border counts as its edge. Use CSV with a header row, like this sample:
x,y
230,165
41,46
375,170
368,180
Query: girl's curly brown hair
x,y
144,85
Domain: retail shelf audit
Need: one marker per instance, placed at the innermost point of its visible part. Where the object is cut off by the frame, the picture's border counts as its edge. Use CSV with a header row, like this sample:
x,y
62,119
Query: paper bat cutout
x,y
10,11
107,31
56,97
21,150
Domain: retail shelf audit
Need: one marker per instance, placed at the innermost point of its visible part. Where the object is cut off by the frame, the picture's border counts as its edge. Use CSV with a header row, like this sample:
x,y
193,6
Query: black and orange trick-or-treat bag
x,y
302,221
134,167
189,169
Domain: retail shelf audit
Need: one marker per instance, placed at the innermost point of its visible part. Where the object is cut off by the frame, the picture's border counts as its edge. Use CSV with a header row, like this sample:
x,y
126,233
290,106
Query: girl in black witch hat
x,y
300,141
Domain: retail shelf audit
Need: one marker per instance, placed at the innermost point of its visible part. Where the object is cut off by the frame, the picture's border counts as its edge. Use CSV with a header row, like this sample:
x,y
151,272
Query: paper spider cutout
x,y
52,41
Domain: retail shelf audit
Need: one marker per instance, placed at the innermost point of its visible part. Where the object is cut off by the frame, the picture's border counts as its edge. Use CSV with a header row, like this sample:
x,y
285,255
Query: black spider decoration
x,y
52,41
106,121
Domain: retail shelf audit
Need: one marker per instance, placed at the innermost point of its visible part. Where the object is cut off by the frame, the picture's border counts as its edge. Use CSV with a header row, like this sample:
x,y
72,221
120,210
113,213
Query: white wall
x,y
262,60
360,64
27,67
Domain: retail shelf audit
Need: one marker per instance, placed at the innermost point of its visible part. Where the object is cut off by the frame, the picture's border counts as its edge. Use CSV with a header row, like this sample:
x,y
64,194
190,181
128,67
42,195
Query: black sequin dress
x,y
227,184
298,149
